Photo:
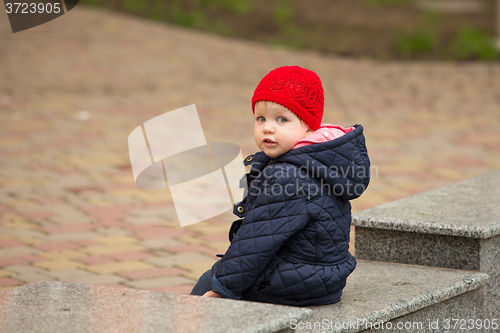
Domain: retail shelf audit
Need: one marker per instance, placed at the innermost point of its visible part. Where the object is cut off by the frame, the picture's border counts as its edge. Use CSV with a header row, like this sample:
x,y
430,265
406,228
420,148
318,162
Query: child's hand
x,y
211,294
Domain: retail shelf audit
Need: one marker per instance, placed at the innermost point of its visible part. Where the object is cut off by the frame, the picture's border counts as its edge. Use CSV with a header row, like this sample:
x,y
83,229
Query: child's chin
x,y
272,154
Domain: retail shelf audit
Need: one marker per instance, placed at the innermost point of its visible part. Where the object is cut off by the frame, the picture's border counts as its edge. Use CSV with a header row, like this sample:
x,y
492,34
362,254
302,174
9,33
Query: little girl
x,y
290,245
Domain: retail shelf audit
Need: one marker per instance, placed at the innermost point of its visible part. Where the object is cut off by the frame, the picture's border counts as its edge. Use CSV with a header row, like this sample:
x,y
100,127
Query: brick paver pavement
x,y
73,89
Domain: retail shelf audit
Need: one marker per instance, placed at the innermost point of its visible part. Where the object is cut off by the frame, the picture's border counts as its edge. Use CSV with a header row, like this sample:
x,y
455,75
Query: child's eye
x,y
260,118
282,120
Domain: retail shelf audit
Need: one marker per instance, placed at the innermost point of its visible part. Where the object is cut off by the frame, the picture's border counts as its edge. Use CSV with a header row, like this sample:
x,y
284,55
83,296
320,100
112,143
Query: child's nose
x,y
268,127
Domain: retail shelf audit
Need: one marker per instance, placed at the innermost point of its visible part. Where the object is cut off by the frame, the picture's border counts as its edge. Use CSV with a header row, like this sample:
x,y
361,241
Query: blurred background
x,y
422,77
377,29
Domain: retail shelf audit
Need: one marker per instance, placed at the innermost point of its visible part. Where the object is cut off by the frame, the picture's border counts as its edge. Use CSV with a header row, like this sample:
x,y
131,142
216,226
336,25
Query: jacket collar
x,y
342,162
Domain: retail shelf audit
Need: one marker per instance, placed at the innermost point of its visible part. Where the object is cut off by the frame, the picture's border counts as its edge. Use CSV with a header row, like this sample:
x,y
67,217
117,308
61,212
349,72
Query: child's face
x,y
277,129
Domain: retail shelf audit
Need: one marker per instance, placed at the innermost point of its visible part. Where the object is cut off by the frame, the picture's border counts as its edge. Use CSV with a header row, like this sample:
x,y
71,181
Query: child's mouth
x,y
269,143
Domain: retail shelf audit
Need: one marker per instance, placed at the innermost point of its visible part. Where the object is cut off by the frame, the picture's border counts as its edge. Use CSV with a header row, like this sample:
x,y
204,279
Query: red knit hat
x,y
297,89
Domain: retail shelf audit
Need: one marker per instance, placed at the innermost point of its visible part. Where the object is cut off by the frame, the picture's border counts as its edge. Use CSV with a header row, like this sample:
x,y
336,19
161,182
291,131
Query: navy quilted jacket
x,y
292,245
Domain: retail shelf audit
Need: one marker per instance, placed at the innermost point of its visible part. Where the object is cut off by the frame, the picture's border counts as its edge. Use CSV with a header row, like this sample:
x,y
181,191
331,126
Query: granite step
x,y
454,226
391,293
376,292
60,307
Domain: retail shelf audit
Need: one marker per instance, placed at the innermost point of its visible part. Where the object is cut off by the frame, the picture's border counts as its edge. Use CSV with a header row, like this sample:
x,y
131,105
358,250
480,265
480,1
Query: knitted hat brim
x,y
289,103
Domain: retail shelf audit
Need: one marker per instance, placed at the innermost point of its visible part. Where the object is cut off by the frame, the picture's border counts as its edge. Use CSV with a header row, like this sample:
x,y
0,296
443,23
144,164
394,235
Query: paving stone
x,y
66,214
27,273
4,272
191,249
126,256
115,267
57,265
120,198
68,228
196,269
117,239
106,214
152,273
152,196
116,285
113,232
2,289
17,251
16,225
26,259
160,243
154,232
7,282
73,236
178,259
151,212
38,215
216,237
14,217
219,247
51,200
63,254
182,289
113,223
138,221
209,229
4,209
160,282
193,240
24,234
81,276
90,260
10,243
105,250
32,241
61,246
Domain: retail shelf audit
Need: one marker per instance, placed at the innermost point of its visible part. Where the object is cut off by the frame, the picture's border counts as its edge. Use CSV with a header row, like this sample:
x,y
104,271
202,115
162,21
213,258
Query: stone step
x,y
455,226
380,292
469,209
376,292
51,306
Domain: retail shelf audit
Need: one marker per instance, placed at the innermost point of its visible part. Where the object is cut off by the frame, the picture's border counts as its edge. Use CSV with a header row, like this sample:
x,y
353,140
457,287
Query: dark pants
x,y
203,284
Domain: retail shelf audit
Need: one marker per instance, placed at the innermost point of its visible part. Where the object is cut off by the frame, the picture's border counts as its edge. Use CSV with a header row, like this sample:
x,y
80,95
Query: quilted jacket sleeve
x,y
279,211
